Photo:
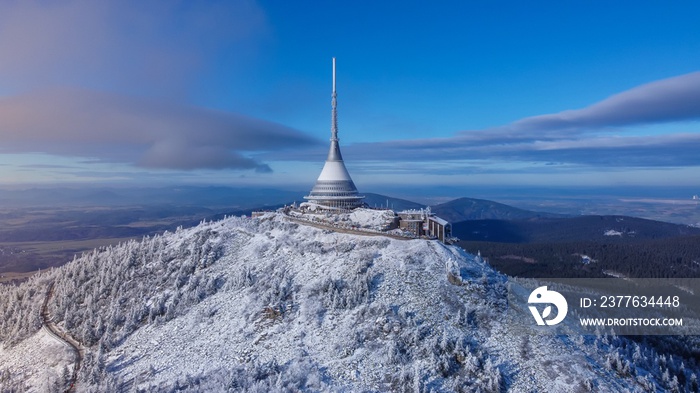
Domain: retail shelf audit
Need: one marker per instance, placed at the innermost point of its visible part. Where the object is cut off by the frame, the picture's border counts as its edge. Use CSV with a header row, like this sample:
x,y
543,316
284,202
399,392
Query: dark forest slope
x,y
582,228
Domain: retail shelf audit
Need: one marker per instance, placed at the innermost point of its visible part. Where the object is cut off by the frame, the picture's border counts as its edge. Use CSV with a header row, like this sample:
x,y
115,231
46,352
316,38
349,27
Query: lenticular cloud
x,y
666,100
141,132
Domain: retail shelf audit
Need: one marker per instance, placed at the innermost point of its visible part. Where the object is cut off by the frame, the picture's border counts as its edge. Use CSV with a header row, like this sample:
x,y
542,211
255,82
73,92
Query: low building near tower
x,y
423,223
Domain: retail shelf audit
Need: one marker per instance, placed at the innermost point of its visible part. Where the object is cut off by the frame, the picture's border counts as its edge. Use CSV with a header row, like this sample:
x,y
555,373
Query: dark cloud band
x,y
141,132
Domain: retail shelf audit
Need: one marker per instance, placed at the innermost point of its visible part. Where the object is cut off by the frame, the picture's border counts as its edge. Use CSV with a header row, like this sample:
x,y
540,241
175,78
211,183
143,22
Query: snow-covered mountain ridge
x,y
271,305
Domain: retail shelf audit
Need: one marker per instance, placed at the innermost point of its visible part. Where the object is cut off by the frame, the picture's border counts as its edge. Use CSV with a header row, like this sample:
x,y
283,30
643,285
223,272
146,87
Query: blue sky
x,y
461,94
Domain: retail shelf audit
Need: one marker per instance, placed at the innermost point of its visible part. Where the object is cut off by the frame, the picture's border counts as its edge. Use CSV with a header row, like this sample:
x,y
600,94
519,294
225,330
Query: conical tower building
x,y
334,188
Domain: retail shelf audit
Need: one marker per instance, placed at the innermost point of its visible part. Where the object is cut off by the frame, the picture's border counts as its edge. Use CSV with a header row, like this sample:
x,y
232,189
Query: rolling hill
x,y
462,209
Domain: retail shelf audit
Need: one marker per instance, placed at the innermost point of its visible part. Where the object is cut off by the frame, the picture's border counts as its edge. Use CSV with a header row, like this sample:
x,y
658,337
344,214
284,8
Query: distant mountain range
x,y
480,209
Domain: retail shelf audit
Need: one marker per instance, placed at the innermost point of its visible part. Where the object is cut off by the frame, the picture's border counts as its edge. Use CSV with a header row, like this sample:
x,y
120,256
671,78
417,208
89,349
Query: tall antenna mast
x,y
334,187
334,111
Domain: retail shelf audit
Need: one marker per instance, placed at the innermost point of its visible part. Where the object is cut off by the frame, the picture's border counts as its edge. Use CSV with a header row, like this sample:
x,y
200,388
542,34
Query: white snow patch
x,y
612,232
585,259
615,274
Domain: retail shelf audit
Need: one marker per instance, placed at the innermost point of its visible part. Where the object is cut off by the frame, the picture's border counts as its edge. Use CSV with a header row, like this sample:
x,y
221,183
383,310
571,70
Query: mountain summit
x,y
270,305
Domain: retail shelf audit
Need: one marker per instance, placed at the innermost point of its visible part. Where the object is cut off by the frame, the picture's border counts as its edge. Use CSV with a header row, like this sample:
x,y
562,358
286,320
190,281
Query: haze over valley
x,y
48,226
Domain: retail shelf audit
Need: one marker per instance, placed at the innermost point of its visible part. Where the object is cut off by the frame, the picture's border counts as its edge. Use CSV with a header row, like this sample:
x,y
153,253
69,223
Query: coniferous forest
x,y
584,246
661,258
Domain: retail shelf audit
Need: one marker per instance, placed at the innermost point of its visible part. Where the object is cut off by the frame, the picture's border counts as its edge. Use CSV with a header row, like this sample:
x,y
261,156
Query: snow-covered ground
x,y
372,219
343,312
340,303
37,363
268,304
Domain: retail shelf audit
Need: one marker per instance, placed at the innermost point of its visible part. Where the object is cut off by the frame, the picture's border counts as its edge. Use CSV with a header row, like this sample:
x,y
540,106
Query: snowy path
x,y
63,337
